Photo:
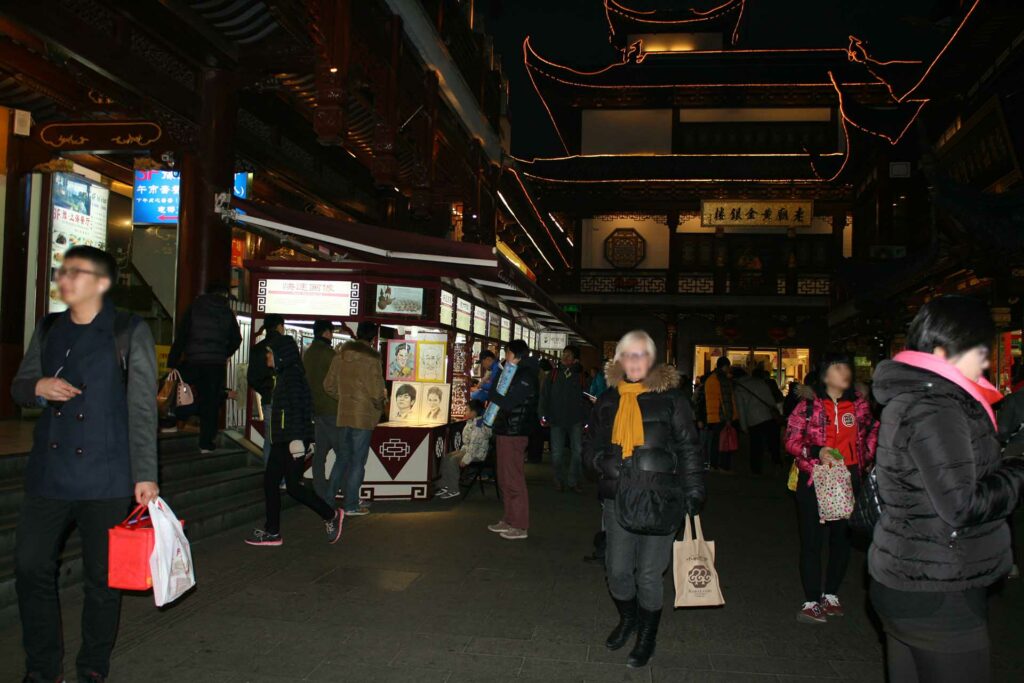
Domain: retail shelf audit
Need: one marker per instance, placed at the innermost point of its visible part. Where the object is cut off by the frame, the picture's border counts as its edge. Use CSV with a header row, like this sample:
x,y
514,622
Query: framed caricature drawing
x,y
401,360
430,366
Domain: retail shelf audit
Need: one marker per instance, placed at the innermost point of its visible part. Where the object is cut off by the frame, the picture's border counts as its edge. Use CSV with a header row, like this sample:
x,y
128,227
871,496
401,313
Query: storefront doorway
x,y
785,363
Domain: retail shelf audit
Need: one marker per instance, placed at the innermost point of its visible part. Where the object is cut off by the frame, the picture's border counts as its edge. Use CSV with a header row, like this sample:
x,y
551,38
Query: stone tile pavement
x,y
423,592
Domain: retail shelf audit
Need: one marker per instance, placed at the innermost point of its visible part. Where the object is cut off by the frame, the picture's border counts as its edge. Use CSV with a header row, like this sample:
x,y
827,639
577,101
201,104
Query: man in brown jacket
x,y
356,380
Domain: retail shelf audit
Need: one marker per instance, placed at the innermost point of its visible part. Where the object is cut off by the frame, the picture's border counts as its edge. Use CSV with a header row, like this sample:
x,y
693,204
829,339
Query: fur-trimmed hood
x,y
356,346
661,378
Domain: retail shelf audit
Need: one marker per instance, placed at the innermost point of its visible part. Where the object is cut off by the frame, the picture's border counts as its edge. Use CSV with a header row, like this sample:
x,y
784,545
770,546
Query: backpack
x,y
124,326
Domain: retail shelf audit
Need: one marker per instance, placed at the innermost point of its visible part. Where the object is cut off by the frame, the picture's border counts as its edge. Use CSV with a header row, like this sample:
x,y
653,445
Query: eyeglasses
x,y
73,273
634,356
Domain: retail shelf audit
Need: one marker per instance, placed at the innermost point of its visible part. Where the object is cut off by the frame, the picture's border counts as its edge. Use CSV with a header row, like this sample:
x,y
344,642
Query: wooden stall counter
x,y
405,459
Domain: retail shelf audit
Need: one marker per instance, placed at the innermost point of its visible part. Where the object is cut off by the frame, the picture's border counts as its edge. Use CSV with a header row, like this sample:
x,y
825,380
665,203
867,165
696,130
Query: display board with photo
x,y
401,360
397,300
417,403
430,357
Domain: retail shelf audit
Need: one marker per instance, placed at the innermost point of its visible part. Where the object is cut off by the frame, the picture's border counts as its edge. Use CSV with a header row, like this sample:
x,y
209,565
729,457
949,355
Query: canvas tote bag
x,y
693,569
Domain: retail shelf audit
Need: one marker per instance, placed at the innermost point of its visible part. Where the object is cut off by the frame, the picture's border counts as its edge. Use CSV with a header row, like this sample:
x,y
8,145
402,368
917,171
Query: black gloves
x,y
693,506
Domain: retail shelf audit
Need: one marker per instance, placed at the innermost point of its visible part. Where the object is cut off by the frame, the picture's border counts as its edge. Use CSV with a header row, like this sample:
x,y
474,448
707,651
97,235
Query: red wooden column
x,y
204,239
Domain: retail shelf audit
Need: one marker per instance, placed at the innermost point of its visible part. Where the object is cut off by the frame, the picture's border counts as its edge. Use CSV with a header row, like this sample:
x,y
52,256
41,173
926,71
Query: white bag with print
x,y
171,561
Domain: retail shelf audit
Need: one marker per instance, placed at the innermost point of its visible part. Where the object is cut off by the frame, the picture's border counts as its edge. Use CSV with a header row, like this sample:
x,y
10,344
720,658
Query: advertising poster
x,y
395,300
78,217
430,357
401,360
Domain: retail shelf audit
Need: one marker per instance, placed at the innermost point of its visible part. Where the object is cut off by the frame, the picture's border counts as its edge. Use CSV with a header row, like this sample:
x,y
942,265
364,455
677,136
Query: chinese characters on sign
x,y
447,312
480,321
739,213
554,341
78,218
308,297
158,193
464,315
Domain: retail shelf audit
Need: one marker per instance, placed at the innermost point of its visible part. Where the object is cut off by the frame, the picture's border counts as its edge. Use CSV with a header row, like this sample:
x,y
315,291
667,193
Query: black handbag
x,y
867,506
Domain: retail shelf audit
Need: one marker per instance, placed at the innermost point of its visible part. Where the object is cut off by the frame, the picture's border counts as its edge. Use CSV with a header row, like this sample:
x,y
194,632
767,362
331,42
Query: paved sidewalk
x,y
423,592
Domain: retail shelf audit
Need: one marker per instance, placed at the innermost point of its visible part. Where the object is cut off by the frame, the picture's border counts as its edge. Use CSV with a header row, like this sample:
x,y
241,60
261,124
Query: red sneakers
x,y
811,613
831,606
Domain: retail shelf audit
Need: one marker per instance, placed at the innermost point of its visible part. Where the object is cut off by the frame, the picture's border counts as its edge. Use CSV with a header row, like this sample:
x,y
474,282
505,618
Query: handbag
x,y
130,546
834,489
867,508
175,389
693,569
649,503
728,439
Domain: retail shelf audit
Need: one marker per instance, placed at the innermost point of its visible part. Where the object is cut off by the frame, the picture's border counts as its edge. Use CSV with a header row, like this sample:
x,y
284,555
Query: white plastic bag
x,y
171,561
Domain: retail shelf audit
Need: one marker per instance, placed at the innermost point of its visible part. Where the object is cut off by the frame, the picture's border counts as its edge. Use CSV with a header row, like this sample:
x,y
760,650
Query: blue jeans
x,y
328,437
558,436
351,460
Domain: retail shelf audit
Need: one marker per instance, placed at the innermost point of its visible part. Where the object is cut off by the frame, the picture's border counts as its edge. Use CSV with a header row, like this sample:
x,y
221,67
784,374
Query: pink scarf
x,y
981,391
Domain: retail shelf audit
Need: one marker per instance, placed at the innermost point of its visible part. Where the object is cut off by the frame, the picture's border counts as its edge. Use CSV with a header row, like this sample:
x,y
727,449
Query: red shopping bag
x,y
131,544
728,439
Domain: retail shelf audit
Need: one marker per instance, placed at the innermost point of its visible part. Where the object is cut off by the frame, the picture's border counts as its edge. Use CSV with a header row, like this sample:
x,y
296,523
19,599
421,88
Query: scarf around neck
x,y
981,391
628,428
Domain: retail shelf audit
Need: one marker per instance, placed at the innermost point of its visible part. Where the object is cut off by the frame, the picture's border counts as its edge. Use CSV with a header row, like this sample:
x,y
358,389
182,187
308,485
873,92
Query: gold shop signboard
x,y
739,213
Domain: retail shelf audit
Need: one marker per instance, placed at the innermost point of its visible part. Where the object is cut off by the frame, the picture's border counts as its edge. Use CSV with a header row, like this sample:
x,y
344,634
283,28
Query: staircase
x,y
212,492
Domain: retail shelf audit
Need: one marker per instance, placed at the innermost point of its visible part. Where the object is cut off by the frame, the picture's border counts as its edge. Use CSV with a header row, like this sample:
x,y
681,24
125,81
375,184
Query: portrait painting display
x,y
430,357
401,360
419,402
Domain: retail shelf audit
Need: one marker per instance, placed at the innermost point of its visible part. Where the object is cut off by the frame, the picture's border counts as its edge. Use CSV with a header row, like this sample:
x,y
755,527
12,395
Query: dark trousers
x,y
635,563
42,526
282,464
209,383
721,460
908,664
812,535
764,437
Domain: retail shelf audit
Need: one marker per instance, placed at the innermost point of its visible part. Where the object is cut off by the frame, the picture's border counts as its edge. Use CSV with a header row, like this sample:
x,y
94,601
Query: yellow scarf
x,y
628,428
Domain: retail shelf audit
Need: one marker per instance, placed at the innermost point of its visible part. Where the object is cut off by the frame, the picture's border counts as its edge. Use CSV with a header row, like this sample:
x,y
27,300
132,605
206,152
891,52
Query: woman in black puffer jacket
x,y
642,427
942,539
292,430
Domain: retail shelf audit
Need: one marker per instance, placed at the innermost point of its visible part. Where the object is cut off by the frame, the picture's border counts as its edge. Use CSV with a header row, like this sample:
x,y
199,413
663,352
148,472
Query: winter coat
x,y
208,334
317,361
483,392
563,402
671,444
517,409
476,441
807,430
292,412
260,377
754,400
945,490
1011,414
356,380
599,385
720,398
101,443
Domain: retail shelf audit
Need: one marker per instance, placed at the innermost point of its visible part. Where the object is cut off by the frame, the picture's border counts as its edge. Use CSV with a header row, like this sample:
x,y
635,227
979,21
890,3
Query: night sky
x,y
575,32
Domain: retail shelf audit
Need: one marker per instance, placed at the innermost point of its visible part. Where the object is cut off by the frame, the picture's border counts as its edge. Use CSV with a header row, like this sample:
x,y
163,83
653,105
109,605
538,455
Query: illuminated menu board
x,y
308,297
447,313
517,331
493,325
506,330
480,321
464,315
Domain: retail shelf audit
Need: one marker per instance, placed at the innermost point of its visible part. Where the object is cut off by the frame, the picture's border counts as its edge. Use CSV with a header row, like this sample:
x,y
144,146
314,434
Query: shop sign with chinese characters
x,y
308,297
733,213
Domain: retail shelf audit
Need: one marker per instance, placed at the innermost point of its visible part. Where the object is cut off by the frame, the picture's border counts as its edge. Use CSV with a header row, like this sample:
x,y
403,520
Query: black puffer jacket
x,y
208,334
517,414
259,376
670,445
945,490
293,402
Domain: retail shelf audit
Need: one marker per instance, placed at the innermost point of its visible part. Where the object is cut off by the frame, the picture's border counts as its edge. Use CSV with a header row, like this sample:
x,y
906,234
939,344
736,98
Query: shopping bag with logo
x,y
728,439
834,489
171,561
693,569
130,545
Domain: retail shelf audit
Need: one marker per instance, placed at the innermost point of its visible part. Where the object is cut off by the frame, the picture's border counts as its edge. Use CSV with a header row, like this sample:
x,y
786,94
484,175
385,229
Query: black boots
x,y
627,624
647,633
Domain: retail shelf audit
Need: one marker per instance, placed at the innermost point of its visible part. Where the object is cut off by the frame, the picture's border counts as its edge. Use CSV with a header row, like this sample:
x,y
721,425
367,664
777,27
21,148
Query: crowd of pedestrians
x,y
923,447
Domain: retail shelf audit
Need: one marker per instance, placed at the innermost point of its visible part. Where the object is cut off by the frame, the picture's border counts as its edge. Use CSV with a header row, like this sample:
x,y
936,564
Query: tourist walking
x,y
476,443
317,363
720,410
92,371
356,381
564,407
836,423
759,417
642,430
206,339
293,432
260,376
516,419
942,539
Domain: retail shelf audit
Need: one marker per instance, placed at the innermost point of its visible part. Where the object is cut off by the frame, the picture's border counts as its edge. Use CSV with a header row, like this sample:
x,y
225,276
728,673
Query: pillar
x,y
204,239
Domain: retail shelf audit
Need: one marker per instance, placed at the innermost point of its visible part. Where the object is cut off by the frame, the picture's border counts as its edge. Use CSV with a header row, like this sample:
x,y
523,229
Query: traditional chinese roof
x,y
718,15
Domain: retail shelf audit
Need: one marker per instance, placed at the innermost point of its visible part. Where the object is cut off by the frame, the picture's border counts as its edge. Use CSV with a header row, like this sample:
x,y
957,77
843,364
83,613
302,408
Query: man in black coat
x,y
207,338
260,377
564,406
94,451
516,401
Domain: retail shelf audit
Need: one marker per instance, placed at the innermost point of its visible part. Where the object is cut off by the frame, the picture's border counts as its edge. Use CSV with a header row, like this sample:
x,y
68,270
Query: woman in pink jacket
x,y
833,421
